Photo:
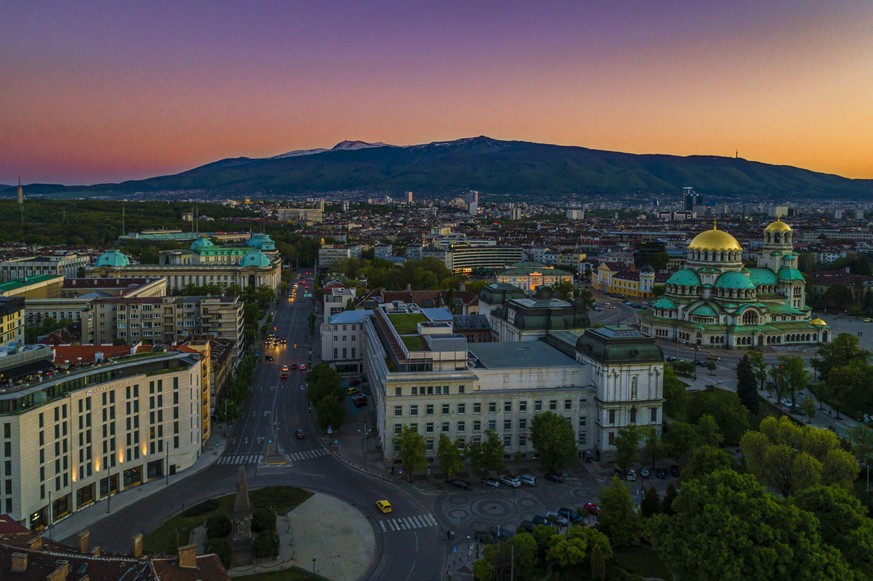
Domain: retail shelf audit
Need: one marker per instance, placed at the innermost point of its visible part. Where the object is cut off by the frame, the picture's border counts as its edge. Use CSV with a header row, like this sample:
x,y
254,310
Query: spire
x,y
241,503
20,191
715,224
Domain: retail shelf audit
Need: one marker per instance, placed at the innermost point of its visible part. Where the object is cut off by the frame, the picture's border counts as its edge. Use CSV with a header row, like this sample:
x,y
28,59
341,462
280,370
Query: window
x,y
445,408
461,408
428,428
477,426
568,404
522,440
429,409
414,390
477,408
538,405
583,438
522,423
633,393
413,410
611,439
522,405
398,429
428,444
398,410
445,427
507,440
583,421
398,391
507,424
653,417
460,389
507,406
611,418
553,404
633,415
492,407
461,426
492,425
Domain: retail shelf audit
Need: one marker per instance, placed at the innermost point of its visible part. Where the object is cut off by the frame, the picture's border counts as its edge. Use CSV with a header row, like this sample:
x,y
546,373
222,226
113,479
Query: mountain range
x,y
488,165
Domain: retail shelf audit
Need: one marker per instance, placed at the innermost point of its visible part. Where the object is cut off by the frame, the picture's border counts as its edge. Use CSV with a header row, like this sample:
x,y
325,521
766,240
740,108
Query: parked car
x,y
483,537
645,472
458,483
299,433
786,402
526,526
570,515
660,474
631,475
491,482
554,477
674,470
529,479
556,518
359,399
354,382
352,390
539,519
500,533
268,357
591,507
511,481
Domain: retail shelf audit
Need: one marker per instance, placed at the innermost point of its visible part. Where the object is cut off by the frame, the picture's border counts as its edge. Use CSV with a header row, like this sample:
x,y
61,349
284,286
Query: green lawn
x,y
414,343
175,531
292,574
406,323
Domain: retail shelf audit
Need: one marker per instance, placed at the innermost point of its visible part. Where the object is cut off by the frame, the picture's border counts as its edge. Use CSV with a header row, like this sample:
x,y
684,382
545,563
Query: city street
x,y
273,411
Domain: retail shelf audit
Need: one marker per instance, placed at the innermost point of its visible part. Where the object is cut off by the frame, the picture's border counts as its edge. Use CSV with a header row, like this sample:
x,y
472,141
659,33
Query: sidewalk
x,y
82,519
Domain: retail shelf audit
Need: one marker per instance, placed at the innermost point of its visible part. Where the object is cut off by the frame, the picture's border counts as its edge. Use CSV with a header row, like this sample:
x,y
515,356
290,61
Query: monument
x,y
241,538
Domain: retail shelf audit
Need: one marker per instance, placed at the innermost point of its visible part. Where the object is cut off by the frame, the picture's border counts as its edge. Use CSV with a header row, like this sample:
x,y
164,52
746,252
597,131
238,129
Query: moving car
x,y
384,506
268,357
302,367
491,482
293,366
359,399
299,433
512,481
284,375
458,483
285,368
591,507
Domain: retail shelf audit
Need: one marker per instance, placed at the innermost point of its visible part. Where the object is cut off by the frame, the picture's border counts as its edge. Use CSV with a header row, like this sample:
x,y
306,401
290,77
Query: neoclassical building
x,y
715,301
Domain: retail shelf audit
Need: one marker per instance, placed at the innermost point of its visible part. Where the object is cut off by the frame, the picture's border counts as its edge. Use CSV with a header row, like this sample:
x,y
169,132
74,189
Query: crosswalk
x,y
307,454
406,523
241,459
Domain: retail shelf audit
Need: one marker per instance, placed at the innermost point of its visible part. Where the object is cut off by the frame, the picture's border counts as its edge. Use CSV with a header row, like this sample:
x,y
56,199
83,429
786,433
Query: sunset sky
x,y
107,91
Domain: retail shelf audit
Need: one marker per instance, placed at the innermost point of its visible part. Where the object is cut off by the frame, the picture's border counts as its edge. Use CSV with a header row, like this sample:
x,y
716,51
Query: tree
x,y
844,523
675,394
759,367
711,367
651,504
568,551
861,442
525,554
475,454
553,439
747,384
789,376
706,460
331,412
599,554
679,438
492,452
617,518
838,296
451,459
266,544
654,446
707,432
790,458
483,570
843,350
726,526
669,496
413,456
725,407
807,405
627,446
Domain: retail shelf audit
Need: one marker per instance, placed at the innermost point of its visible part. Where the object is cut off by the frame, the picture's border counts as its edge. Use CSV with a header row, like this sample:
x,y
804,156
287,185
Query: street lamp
x,y
696,349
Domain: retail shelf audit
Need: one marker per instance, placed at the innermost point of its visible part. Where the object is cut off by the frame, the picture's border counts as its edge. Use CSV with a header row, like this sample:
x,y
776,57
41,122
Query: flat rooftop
x,y
22,282
519,355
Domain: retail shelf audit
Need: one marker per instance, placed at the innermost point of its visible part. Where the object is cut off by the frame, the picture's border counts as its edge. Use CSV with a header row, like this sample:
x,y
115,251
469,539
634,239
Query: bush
x,y
207,506
266,544
221,547
218,526
263,519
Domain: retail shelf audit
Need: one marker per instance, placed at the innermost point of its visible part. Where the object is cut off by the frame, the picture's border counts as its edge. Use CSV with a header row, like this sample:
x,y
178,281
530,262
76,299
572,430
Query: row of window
x,y
507,406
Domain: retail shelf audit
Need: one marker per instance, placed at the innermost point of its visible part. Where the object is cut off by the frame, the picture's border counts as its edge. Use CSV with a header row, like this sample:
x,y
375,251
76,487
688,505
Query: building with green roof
x,y
716,301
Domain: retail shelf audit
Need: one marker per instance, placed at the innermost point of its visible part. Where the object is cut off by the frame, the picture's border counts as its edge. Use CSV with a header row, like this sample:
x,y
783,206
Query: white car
x,y
513,481
528,479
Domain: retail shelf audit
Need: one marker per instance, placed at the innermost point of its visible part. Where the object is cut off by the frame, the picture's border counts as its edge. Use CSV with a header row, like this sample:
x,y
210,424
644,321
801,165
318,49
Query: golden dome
x,y
715,239
778,226
818,322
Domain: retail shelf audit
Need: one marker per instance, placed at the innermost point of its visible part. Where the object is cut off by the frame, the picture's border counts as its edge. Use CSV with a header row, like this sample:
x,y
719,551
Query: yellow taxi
x,y
384,506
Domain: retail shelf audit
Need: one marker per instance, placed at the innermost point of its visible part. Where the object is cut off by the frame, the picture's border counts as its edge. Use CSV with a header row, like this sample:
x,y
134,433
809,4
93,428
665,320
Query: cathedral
x,y
715,301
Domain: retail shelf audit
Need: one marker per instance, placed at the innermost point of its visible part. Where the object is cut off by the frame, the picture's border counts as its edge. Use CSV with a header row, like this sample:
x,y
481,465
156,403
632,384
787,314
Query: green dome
x,y
789,274
255,258
261,242
664,303
202,244
762,276
704,310
112,258
684,277
735,280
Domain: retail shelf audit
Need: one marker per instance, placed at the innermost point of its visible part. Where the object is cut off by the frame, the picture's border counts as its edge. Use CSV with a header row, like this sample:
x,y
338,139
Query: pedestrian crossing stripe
x,y
307,454
407,523
242,459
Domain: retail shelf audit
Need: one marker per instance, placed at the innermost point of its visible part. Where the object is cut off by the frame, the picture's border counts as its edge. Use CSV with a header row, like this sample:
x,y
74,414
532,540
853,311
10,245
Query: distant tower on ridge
x,y
20,191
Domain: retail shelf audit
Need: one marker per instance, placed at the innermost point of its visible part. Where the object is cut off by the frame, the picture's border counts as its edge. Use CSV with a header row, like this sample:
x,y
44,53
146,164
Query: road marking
x,y
406,523
382,524
241,459
308,454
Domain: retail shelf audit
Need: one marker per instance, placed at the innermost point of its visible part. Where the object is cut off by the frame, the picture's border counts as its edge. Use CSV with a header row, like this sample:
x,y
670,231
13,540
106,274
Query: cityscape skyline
x,y
107,93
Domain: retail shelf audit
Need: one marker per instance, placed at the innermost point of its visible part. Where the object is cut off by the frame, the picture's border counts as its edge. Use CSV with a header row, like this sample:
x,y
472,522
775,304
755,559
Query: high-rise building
x,y
690,199
471,197
408,197
20,192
